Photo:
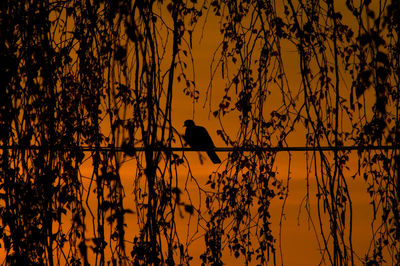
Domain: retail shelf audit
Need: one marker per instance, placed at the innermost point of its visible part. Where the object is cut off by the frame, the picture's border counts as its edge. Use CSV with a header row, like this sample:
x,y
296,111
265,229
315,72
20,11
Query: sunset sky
x,y
295,222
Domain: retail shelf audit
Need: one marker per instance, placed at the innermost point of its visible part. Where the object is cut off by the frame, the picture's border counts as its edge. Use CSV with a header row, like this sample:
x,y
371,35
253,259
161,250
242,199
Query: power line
x,y
218,149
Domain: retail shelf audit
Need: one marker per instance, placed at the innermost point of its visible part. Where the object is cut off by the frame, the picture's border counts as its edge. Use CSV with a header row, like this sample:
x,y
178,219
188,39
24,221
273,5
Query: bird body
x,y
198,138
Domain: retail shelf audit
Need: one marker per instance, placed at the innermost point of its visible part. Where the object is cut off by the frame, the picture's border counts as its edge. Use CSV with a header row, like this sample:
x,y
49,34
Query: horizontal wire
x,y
217,149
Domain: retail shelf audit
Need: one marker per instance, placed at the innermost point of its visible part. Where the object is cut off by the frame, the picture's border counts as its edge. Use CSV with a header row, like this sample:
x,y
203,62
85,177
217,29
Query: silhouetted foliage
x,y
331,51
101,73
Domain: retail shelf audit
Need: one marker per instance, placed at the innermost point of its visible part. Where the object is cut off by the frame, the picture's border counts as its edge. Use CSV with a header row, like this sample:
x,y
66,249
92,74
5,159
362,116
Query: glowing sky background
x,y
295,221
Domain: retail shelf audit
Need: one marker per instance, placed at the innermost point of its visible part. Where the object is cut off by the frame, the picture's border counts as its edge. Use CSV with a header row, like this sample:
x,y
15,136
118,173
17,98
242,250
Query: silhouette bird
x,y
198,138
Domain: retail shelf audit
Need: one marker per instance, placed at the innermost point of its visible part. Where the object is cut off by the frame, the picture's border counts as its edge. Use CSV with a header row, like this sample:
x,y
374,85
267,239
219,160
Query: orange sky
x,y
299,245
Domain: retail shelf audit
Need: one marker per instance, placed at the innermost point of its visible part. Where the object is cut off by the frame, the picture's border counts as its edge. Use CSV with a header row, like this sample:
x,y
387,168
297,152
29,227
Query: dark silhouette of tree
x,y
338,62
79,79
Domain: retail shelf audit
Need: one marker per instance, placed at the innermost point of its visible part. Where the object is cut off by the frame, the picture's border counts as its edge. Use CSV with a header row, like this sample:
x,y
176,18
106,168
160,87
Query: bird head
x,y
188,123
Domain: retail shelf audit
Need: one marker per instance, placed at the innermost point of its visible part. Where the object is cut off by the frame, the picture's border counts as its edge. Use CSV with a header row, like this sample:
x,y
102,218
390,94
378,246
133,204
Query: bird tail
x,y
213,156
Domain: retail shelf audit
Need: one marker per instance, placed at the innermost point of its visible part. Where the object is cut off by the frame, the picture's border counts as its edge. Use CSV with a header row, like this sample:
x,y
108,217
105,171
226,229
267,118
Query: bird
x,y
198,138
